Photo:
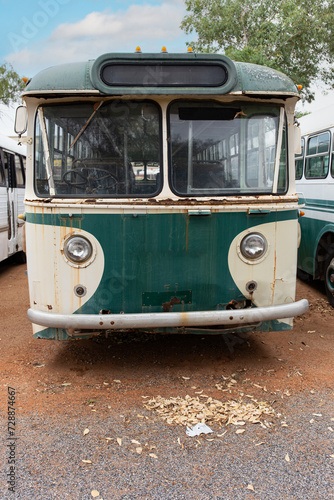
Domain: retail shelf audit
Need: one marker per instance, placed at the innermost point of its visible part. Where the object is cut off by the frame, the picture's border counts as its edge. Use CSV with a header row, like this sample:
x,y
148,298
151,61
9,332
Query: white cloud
x,y
148,26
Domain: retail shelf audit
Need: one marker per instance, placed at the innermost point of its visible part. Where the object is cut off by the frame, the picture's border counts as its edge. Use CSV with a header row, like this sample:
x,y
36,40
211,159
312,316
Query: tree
x,y
11,84
292,36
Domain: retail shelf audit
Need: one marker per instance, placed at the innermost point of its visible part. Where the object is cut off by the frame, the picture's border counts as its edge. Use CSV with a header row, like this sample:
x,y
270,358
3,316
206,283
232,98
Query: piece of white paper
x,y
198,429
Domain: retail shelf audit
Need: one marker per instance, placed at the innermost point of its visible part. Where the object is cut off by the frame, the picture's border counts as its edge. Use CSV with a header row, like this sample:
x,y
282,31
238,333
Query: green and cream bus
x,y
315,187
160,196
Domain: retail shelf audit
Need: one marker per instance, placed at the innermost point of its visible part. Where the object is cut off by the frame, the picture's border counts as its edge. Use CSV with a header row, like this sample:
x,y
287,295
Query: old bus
x,y
161,196
315,187
12,182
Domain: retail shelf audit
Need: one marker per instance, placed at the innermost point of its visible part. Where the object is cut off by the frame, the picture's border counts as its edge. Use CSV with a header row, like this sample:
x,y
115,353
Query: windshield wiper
x,y
97,106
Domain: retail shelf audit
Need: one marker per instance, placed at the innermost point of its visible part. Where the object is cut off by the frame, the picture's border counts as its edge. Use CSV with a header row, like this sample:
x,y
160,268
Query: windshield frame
x,y
46,158
235,107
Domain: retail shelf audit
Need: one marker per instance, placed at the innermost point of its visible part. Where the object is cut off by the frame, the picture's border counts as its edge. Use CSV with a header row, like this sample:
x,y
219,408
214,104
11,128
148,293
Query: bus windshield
x,y
98,149
113,149
225,149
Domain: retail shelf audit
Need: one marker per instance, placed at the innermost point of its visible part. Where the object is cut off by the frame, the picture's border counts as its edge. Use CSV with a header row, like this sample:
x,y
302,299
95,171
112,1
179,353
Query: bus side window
x,y
299,161
333,155
317,156
2,170
19,171
10,169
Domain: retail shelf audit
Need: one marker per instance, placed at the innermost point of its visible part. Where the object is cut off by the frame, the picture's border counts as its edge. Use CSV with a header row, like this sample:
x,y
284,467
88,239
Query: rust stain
x,y
168,306
233,200
184,319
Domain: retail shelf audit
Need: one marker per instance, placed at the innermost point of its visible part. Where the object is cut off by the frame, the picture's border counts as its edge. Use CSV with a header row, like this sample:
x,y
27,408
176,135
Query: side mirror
x,y
21,120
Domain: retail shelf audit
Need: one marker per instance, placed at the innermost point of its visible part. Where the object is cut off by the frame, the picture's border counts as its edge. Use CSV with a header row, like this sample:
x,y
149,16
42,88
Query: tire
x,y
302,275
20,258
329,278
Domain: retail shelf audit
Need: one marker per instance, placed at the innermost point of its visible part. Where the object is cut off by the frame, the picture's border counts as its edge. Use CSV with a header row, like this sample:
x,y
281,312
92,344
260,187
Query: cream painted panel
x,y
3,244
51,278
275,273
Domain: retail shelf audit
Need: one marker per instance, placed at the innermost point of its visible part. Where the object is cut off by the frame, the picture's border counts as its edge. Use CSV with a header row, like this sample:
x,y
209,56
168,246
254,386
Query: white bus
x,y
315,188
12,182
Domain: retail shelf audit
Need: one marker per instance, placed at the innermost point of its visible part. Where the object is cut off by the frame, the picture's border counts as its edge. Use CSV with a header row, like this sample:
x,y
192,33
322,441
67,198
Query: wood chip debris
x,y
190,410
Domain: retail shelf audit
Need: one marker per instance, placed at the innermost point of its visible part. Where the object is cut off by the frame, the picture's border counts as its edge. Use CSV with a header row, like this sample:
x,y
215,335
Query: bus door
x,y
3,210
8,161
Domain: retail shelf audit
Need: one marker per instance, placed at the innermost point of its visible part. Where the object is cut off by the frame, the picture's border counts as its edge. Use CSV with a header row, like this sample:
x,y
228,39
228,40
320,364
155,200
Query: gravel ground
x,y
291,462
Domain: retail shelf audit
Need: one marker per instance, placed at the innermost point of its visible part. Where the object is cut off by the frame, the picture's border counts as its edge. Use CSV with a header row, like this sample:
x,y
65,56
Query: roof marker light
x,y
138,49
299,87
164,50
25,79
190,49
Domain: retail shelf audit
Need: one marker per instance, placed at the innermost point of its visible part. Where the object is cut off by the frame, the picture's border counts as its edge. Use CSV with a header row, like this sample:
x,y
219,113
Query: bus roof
x,y
318,120
97,76
12,145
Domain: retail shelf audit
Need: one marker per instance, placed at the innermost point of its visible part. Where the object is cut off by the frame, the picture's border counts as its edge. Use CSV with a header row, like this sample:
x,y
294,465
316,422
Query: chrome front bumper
x,y
232,318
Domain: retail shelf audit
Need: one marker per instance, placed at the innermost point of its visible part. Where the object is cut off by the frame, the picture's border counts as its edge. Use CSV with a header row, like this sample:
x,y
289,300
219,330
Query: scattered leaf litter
x,y
190,411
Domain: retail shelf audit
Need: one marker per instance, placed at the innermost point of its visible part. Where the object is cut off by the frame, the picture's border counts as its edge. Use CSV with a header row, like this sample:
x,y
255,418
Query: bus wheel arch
x,y
325,249
329,278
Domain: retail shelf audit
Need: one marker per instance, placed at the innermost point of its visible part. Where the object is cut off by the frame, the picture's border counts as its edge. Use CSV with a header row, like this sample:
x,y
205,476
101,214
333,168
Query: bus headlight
x,y
253,246
78,249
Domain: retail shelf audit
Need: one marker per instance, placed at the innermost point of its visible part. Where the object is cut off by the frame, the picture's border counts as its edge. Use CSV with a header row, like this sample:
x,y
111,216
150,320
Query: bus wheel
x,y
329,279
20,258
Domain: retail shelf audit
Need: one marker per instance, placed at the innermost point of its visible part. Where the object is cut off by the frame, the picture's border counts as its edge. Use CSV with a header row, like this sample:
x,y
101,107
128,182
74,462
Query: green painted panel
x,y
312,231
161,252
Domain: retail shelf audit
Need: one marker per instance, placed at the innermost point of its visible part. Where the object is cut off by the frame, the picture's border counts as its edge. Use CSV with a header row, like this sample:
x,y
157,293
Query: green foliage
x,y
292,36
300,114
11,84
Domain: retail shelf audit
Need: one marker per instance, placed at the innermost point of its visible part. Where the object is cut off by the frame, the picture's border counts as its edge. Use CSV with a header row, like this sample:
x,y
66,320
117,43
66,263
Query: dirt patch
x,y
105,375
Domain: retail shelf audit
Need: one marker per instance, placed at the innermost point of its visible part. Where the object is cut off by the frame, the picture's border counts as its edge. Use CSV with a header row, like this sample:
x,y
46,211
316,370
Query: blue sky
x,y
38,34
